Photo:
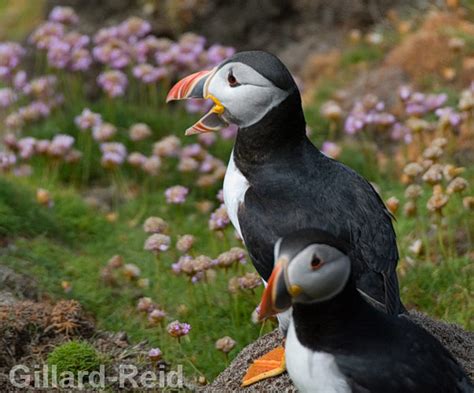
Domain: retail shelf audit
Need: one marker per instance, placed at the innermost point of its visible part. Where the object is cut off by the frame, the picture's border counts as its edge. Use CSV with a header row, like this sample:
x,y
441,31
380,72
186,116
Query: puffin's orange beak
x,y
192,86
195,86
276,297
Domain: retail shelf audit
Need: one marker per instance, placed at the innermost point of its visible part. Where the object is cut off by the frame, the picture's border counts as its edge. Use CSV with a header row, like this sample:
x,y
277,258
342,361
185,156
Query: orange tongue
x,y
269,365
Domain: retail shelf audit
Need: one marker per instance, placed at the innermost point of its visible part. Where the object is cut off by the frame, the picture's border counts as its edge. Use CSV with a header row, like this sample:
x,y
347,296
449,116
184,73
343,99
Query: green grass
x,y
72,242
212,313
18,16
363,52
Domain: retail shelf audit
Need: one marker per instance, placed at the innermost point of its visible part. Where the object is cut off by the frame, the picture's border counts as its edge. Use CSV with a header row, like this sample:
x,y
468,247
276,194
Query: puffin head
x,y
310,266
244,88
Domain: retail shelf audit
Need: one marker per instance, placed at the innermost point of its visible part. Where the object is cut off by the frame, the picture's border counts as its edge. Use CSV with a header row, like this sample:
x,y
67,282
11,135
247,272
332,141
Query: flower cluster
x,y
430,170
155,225
11,54
366,113
219,219
225,344
113,82
60,147
235,255
370,114
247,282
157,243
116,270
113,154
197,269
176,195
178,329
128,44
155,314
87,120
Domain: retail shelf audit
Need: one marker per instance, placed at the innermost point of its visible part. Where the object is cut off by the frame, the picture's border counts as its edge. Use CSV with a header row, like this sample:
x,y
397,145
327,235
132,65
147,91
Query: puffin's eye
x,y
231,79
316,262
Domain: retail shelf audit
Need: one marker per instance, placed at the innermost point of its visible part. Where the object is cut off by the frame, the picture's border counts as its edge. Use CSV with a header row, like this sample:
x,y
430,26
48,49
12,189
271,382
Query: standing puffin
x,y
277,181
337,342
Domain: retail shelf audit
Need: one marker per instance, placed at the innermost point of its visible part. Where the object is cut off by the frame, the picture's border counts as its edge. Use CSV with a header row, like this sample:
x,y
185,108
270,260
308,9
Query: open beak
x,y
195,86
277,297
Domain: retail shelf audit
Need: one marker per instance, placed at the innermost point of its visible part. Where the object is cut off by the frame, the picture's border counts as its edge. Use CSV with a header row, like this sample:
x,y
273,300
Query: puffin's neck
x,y
283,127
321,325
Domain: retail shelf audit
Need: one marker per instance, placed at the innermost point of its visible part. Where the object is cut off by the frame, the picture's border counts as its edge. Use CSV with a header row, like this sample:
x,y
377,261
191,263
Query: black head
x,y
245,88
267,65
295,242
311,266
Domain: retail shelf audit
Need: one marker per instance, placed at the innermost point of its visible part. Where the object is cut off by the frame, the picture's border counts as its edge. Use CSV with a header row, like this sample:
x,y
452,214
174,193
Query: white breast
x,y
312,372
235,186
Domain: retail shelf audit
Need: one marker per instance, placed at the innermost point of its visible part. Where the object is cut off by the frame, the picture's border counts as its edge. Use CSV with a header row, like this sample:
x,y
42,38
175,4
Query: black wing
x,y
405,359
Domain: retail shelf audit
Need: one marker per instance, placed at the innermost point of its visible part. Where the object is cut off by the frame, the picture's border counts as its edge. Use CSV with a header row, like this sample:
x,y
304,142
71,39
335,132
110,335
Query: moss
x,y
74,356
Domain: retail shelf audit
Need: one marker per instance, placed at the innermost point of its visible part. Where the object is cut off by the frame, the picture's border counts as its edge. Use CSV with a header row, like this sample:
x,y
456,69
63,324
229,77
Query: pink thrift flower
x,y
103,132
219,219
7,97
80,60
133,28
155,354
88,119
178,329
331,149
157,243
45,32
7,161
10,57
60,145
176,194
65,15
113,154
113,82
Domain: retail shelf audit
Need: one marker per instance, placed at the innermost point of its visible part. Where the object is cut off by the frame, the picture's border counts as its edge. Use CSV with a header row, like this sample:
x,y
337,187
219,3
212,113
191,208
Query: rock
x,y
459,342
15,285
230,379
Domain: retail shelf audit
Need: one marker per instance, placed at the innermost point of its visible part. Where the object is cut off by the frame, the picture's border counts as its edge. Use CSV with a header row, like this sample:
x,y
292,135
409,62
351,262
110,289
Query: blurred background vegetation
x,y
387,88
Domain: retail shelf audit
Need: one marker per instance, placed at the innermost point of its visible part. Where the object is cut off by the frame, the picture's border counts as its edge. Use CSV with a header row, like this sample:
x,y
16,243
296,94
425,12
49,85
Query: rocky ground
x,y
458,341
31,326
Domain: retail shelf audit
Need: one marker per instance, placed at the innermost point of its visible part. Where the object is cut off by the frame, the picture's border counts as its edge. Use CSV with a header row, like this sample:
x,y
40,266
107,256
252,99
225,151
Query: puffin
x,y
337,342
278,181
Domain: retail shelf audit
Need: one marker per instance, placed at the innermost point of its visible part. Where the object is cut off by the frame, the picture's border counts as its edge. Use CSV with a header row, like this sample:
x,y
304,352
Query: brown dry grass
x,y
427,51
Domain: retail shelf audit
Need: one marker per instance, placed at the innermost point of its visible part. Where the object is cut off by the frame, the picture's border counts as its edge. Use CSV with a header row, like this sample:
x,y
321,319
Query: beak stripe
x,y
185,86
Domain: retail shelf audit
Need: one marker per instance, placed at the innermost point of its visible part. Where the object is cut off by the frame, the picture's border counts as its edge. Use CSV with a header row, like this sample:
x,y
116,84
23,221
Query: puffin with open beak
x,y
337,342
277,181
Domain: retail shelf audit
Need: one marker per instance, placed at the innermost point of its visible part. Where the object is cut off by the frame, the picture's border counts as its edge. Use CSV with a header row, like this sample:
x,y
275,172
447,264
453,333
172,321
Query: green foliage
x,y
72,241
66,220
362,53
445,289
74,356
20,215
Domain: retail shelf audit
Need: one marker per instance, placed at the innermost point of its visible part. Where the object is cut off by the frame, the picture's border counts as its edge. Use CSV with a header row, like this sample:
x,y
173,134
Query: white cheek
x,y
247,104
